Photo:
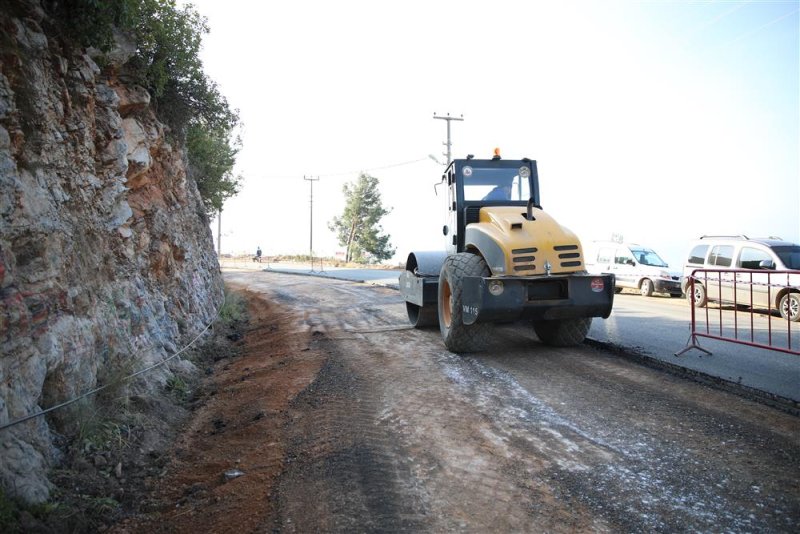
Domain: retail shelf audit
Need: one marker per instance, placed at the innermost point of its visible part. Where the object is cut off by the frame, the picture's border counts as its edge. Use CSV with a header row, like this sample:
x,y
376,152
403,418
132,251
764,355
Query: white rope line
x,y
125,379
743,282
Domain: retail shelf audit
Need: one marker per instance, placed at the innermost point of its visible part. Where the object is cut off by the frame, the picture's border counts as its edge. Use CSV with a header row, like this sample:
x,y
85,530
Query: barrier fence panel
x,y
758,308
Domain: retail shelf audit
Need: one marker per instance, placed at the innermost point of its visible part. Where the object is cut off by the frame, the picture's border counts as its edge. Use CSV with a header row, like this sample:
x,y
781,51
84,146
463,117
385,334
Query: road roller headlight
x,y
496,288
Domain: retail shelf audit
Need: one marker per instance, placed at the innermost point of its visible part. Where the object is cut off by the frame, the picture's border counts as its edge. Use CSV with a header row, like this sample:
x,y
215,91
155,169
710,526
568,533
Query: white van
x,y
634,266
746,264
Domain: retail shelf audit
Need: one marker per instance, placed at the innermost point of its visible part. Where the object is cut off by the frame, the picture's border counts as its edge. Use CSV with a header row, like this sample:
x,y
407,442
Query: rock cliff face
x,y
106,258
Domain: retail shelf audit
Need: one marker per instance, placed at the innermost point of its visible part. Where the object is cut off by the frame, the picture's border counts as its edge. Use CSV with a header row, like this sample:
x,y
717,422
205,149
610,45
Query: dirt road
x,y
341,418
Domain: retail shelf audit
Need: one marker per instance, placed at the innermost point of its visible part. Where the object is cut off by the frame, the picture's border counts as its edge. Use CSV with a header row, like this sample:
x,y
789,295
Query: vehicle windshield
x,y
789,255
645,256
496,184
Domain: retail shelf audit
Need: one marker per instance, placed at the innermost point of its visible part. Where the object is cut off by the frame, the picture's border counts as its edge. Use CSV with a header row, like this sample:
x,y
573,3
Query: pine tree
x,y
359,229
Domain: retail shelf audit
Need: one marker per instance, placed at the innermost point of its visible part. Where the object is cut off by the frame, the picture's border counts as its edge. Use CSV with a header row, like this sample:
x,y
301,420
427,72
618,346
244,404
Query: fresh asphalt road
x,y
658,327
654,327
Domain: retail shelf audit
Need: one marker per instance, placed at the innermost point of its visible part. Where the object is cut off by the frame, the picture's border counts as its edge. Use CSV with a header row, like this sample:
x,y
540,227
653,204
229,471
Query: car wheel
x,y
699,294
790,306
646,288
617,290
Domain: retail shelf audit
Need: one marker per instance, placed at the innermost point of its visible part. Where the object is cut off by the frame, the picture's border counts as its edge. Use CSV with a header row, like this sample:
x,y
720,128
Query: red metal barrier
x,y
746,308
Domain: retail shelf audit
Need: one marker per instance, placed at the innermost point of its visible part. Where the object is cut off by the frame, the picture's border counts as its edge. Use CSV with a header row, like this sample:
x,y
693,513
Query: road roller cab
x,y
504,260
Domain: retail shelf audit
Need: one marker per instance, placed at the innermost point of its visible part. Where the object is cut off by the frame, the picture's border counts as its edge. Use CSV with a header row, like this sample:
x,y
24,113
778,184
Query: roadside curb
x,y
776,401
327,274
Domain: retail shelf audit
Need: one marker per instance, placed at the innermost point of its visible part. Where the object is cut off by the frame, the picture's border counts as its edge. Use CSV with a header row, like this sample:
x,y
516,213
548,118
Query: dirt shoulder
x,y
227,459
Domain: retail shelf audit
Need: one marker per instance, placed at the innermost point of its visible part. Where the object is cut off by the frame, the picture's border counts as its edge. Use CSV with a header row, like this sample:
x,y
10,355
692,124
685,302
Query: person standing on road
x,y
258,254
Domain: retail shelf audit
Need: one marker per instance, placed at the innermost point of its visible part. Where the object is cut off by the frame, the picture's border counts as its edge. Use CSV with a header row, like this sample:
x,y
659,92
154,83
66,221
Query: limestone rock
x,y
132,99
102,251
138,154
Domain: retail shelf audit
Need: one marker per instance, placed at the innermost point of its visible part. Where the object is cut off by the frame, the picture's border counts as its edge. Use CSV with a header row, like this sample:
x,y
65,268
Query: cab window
x,y
750,258
623,257
648,257
495,184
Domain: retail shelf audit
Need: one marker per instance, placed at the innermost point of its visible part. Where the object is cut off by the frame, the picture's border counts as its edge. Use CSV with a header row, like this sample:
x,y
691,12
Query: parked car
x,y
634,266
747,264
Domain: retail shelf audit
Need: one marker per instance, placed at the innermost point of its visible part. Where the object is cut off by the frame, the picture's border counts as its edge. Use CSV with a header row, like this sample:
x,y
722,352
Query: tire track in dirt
x,y
380,426
468,463
397,434
343,473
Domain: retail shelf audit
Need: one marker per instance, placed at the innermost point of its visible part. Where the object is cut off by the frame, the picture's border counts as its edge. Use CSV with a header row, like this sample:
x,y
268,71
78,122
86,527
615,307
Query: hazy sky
x,y
660,121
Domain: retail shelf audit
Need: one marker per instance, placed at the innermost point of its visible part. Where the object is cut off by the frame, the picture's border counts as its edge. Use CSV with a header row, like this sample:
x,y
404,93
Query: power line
x,y
335,174
714,20
376,168
759,28
744,35
683,46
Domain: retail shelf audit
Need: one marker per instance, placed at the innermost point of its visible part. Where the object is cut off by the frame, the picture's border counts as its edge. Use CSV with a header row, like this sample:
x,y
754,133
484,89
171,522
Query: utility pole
x,y
448,118
311,181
